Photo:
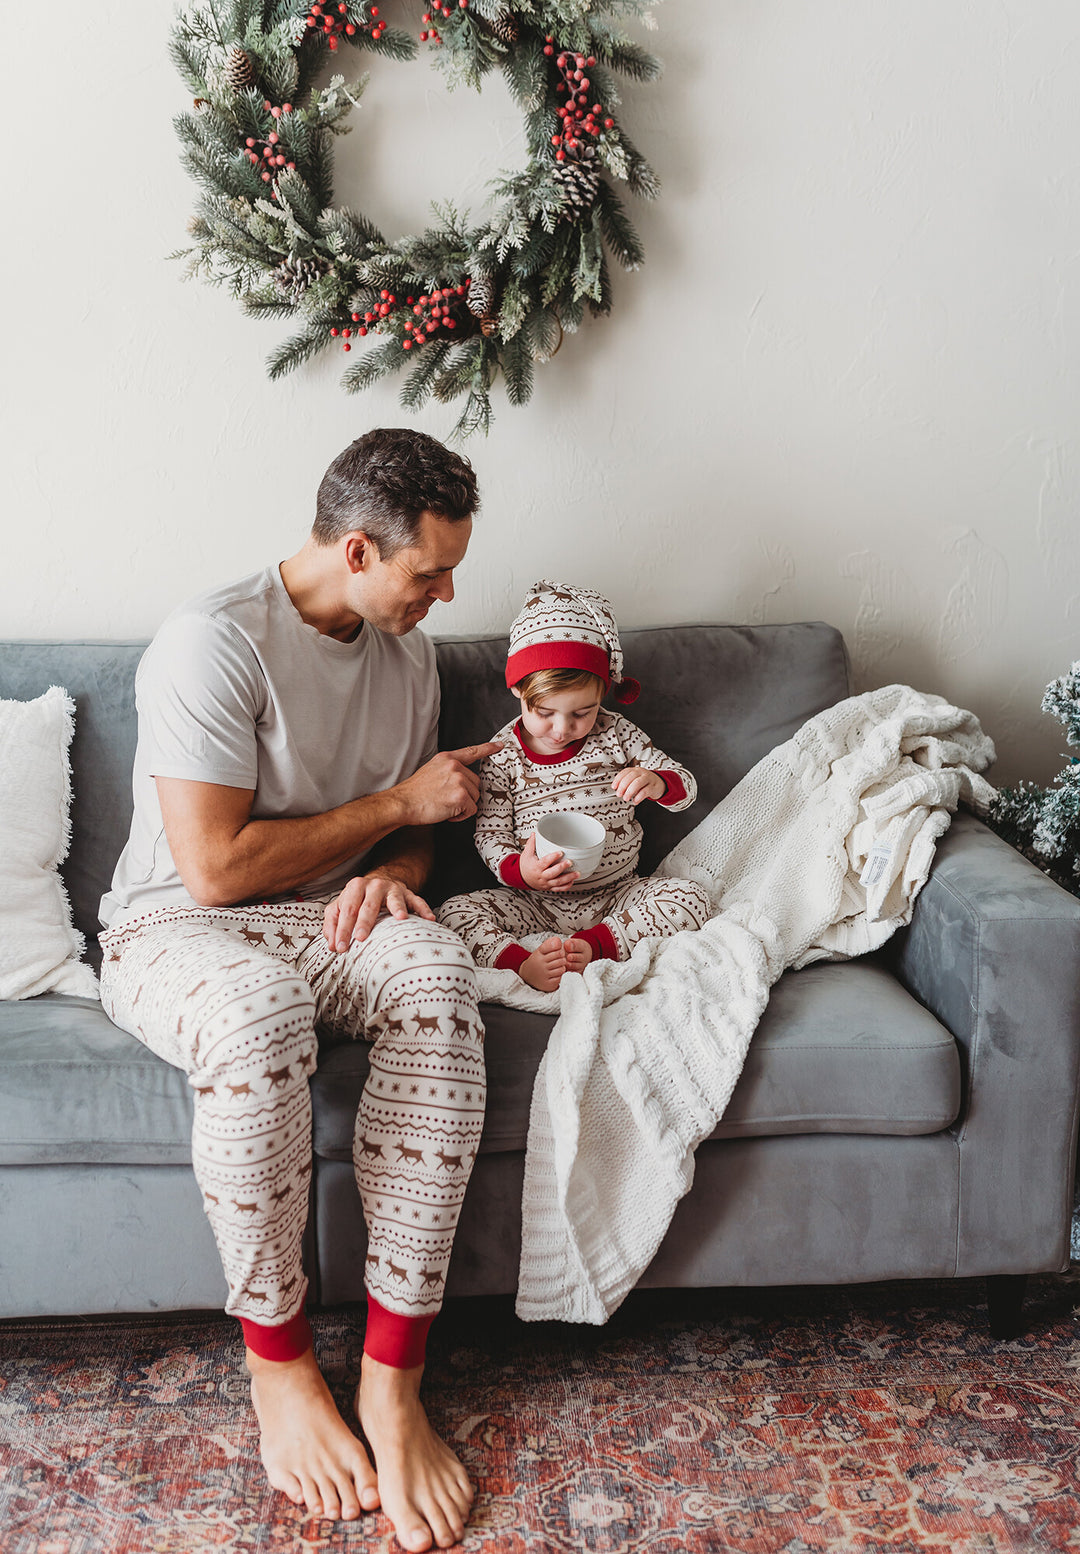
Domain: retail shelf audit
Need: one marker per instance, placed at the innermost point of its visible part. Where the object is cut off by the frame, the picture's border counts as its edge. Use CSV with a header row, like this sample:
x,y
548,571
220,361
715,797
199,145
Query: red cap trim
x,y
288,1341
393,1339
558,655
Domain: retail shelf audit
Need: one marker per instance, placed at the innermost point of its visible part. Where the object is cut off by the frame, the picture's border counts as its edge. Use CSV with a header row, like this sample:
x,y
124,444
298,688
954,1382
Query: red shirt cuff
x,y
676,789
510,871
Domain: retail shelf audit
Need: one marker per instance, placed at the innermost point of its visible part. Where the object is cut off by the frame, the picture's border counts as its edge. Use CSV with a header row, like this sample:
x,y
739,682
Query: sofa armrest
x,y
993,951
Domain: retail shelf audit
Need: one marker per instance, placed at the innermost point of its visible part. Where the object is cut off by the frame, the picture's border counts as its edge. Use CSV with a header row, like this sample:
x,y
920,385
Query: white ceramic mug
x,y
579,838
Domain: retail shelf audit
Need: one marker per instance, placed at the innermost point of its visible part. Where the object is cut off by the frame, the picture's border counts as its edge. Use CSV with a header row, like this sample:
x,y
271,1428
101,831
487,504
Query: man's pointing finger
x,y
473,753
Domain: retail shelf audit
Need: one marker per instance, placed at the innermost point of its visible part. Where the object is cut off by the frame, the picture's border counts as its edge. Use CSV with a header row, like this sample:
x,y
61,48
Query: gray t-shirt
x,y
237,689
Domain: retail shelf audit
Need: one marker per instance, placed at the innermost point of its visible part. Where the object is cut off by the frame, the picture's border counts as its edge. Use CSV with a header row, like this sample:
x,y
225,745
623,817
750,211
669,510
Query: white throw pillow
x,y
39,945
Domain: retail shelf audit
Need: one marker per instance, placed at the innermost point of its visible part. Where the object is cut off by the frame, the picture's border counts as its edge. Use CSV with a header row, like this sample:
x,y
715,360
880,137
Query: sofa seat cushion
x,y
841,1048
75,1089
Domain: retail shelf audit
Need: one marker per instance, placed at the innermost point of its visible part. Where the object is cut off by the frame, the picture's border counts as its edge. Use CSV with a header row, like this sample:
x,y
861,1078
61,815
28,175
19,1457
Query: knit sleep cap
x,y
563,627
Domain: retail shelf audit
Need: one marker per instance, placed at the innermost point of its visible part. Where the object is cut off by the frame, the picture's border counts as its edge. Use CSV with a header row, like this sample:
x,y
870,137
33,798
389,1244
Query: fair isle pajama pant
x,y
491,922
232,996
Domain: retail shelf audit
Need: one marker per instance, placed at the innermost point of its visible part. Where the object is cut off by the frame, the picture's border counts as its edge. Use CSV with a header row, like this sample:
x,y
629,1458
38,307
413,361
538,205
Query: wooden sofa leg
x,y
1005,1297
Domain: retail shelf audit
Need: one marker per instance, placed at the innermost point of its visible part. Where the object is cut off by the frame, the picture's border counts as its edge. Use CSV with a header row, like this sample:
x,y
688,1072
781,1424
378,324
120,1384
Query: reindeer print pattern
x,y
490,921
242,1026
515,791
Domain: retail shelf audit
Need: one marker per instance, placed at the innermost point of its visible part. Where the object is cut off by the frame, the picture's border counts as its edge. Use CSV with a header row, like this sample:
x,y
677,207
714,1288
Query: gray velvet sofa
x,y
912,1115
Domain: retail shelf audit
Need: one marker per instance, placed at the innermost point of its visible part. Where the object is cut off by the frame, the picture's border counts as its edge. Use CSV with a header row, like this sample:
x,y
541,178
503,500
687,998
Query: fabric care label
x,y
876,865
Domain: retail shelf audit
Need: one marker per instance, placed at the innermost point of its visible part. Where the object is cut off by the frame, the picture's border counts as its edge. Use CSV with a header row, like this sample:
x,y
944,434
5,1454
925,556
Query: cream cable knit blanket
x,y
818,853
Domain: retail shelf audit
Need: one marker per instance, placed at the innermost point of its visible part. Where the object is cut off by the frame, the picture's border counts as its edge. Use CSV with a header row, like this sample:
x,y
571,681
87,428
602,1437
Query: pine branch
x,y
629,58
517,365
619,233
376,363
459,372
349,232
602,303
640,175
477,415
526,73
543,332
298,349
417,387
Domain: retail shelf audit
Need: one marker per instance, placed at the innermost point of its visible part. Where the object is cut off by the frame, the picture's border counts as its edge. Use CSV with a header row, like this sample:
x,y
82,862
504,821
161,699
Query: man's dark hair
x,y
385,481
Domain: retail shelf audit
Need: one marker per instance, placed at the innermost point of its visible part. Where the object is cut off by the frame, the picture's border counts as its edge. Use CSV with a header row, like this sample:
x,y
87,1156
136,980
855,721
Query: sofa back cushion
x,y
717,698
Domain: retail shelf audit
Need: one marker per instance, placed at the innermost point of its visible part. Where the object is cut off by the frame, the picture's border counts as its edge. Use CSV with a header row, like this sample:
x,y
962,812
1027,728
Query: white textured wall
x,y
843,387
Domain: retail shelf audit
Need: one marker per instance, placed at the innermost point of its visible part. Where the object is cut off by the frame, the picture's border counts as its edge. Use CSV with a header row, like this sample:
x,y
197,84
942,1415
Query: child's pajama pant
x,y
490,921
232,996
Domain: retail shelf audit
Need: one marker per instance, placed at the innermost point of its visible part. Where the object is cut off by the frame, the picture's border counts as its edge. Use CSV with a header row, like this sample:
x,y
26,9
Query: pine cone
x,y
239,71
580,182
294,275
481,296
505,28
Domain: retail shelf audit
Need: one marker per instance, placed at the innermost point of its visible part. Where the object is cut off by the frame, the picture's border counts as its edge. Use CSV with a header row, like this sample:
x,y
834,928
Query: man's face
x,y
395,595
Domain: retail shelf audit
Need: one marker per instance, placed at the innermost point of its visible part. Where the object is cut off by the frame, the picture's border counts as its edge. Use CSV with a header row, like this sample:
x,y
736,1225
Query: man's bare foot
x,y
308,1450
424,1489
544,968
578,954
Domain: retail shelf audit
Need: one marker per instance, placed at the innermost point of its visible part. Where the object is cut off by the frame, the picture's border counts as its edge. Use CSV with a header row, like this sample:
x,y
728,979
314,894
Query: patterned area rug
x,y
843,1420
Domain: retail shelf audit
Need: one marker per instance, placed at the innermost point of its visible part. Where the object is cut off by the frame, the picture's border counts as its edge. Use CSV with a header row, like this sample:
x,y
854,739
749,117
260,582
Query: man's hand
x,y
444,788
552,872
635,783
352,915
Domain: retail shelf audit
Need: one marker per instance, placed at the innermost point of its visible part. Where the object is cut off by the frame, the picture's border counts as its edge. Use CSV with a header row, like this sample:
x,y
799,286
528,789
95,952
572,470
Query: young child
x,y
566,752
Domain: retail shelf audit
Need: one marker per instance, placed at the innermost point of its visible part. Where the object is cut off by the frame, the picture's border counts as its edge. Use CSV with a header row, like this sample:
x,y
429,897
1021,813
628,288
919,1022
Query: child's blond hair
x,y
549,682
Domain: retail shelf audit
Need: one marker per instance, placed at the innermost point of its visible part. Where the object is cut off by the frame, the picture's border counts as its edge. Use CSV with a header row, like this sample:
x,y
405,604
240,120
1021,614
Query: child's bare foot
x,y
578,954
544,968
308,1450
424,1489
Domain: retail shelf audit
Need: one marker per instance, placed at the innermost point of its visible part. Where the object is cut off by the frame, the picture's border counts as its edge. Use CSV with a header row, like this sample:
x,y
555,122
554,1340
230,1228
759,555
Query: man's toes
x,y
417,1537
441,1526
453,1518
311,1495
329,1499
289,1485
350,1504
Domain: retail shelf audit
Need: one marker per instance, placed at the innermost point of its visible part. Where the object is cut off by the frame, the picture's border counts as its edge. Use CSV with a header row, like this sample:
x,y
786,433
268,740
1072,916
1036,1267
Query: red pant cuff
x,y
511,958
393,1339
288,1341
602,940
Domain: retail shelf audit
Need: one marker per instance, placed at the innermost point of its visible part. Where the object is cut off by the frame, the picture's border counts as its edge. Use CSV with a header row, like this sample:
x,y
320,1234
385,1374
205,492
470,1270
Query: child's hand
x,y
552,872
635,783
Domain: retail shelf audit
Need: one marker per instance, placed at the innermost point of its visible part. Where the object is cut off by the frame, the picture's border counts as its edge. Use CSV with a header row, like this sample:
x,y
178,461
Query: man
x,y
286,781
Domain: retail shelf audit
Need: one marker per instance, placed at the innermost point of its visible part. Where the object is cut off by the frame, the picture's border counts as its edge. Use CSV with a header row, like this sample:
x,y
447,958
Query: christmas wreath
x,y
459,303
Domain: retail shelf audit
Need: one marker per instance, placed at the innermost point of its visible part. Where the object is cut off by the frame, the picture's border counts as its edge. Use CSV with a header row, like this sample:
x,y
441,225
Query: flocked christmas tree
x,y
1044,823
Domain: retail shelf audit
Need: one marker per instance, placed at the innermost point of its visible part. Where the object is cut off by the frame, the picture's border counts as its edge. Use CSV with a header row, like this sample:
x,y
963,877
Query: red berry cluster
x,y
577,115
333,21
267,154
430,313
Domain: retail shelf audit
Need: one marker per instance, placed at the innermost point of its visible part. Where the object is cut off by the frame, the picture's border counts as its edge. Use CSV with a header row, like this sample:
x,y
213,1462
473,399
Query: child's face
x,y
560,719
